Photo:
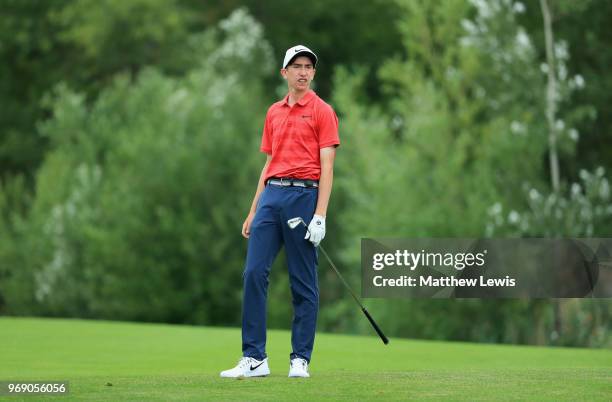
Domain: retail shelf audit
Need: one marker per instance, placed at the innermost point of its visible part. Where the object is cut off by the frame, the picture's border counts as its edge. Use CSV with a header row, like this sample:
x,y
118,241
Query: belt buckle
x,y
285,183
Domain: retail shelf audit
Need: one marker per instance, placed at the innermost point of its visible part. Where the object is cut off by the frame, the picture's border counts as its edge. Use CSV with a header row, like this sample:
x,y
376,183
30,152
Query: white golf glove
x,y
316,230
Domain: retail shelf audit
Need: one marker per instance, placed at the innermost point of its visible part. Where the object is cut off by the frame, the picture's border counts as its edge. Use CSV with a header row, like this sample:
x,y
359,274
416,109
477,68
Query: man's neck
x,y
296,96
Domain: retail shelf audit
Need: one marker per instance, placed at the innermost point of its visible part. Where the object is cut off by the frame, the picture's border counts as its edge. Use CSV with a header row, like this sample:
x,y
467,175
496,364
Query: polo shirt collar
x,y
305,99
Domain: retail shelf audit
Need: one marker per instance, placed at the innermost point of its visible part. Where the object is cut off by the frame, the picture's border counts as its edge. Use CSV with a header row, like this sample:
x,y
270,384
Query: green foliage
x,y
84,44
448,137
14,203
139,205
458,132
580,211
91,24
30,65
339,31
582,29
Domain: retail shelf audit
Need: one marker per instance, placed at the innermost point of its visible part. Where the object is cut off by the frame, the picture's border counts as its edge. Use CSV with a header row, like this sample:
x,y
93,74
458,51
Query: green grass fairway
x,y
165,362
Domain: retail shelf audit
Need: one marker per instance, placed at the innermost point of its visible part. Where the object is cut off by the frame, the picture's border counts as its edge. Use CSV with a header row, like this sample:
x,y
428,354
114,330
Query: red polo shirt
x,y
293,135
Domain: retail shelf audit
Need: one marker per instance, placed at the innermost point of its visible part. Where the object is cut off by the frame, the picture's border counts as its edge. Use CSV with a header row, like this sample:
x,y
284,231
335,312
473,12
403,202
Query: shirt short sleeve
x,y
327,123
266,137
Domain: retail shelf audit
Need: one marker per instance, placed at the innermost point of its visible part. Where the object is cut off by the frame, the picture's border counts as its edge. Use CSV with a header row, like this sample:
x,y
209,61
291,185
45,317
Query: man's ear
x,y
283,72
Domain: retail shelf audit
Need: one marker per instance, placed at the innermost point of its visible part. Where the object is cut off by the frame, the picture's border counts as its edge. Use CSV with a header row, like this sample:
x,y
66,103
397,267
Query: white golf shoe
x,y
298,368
248,367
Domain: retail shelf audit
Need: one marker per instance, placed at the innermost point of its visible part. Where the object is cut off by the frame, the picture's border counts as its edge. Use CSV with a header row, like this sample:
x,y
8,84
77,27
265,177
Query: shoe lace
x,y
245,361
301,361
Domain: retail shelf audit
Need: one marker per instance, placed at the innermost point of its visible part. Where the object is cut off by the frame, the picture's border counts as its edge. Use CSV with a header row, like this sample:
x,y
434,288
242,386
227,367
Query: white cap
x,y
299,50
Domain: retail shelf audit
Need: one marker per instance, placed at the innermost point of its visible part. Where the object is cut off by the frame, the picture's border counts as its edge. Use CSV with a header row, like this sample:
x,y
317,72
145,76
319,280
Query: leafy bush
x,y
139,205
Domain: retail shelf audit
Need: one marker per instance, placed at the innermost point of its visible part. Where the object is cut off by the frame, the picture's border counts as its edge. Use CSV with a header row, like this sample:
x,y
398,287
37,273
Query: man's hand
x,y
316,230
246,226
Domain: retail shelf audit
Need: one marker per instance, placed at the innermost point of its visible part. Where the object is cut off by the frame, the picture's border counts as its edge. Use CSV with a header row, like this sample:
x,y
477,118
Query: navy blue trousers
x,y
269,232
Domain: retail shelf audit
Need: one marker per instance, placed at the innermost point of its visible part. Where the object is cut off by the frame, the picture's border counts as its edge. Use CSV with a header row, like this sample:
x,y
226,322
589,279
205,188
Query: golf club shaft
x,y
346,285
340,276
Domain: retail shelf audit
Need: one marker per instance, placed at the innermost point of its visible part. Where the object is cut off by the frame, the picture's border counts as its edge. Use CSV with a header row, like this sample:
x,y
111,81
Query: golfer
x,y
300,137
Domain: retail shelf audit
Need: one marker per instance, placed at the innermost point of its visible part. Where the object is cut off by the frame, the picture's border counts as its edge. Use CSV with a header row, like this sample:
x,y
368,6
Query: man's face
x,y
299,73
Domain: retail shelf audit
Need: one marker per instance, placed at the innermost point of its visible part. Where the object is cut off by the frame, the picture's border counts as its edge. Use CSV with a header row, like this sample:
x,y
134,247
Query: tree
x,y
578,210
443,148
137,212
83,43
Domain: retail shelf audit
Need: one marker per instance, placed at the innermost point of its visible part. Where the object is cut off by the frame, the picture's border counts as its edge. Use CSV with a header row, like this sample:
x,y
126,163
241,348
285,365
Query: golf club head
x,y
294,222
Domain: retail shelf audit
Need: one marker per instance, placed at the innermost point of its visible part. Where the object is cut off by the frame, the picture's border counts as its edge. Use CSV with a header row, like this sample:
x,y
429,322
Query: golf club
x,y
293,223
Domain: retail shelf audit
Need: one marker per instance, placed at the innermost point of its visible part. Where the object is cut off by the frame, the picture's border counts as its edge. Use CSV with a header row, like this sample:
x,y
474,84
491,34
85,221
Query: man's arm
x,y
246,226
326,180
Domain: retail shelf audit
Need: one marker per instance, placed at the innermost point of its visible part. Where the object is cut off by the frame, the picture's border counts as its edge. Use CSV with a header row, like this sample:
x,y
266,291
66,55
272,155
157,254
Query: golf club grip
x,y
378,331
